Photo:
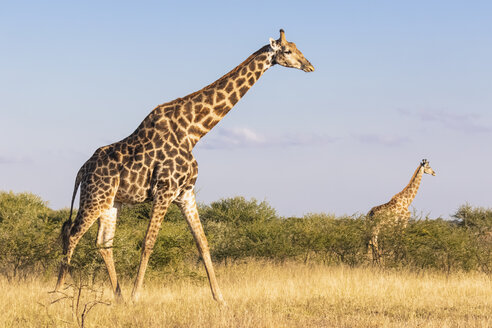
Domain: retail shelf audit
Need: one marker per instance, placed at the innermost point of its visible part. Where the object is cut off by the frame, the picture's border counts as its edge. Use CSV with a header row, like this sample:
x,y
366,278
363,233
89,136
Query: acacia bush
x,y
478,223
27,235
430,244
326,238
237,210
239,230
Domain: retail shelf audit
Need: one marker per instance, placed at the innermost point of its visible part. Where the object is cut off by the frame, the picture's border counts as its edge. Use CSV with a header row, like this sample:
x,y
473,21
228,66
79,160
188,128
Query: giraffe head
x,y
427,169
287,54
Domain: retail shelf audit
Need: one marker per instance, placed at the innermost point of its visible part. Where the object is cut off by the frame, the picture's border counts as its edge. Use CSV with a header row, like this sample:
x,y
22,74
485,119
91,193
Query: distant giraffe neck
x,y
410,191
209,105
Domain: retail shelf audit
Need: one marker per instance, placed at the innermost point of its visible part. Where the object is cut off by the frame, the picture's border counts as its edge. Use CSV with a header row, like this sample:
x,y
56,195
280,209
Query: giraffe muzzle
x,y
308,68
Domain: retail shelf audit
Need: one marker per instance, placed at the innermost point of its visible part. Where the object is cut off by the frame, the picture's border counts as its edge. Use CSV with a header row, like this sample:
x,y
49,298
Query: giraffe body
x,y
396,210
155,163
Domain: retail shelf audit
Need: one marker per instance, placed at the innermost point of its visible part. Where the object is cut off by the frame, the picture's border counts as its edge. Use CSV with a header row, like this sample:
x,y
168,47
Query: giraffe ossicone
x,y
396,210
155,163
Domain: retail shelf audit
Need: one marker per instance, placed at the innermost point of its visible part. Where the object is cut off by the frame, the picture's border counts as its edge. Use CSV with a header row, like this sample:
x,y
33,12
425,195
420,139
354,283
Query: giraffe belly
x,y
133,195
134,188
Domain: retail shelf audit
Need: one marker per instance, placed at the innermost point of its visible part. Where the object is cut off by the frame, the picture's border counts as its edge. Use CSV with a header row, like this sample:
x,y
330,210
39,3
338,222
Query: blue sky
x,y
395,82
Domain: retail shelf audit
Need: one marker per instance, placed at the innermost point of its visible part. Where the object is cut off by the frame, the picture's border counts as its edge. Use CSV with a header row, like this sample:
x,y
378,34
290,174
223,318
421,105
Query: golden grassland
x,y
262,294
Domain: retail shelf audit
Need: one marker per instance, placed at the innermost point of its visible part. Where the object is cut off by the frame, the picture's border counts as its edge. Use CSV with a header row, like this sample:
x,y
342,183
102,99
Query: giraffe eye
x,y
287,52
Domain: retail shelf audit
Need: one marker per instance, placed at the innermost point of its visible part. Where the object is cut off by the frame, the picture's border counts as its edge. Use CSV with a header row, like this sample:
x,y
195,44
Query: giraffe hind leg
x,y
71,235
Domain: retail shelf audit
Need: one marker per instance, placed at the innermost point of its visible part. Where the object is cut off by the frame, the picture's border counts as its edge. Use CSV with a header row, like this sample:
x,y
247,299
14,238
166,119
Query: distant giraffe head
x,y
427,169
287,54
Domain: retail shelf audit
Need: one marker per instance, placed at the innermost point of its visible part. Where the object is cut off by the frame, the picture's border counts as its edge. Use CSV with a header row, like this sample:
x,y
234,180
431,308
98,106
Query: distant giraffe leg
x,y
84,220
187,204
373,250
104,242
373,244
159,208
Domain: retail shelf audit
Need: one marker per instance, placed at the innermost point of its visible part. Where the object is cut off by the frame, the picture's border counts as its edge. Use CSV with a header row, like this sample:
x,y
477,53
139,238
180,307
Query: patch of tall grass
x,y
266,294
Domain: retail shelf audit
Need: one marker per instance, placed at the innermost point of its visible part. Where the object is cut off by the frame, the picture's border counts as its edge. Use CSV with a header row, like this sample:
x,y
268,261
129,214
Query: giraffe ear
x,y
273,43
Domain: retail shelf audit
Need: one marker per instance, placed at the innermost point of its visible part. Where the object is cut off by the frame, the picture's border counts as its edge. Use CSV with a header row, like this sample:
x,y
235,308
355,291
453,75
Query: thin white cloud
x,y
241,137
6,160
467,123
385,140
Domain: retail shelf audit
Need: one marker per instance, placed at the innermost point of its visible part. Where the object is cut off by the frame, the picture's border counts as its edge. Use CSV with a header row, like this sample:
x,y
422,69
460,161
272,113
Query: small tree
x,y
237,210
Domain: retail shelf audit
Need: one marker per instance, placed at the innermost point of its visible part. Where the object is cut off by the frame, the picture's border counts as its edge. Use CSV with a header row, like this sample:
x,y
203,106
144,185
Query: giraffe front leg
x,y
159,208
187,204
104,242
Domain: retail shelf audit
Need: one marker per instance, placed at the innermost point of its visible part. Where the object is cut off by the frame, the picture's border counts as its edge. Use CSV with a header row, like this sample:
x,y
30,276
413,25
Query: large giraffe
x,y
155,163
396,210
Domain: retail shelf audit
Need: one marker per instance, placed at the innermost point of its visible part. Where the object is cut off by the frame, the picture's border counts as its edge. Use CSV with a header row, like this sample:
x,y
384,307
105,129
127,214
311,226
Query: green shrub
x,y
476,219
237,210
308,235
346,239
174,247
439,244
27,235
238,229
329,239
478,222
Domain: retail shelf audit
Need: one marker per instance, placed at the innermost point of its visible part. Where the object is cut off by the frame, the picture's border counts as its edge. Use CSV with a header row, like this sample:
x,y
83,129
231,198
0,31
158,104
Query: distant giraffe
x,y
155,163
396,210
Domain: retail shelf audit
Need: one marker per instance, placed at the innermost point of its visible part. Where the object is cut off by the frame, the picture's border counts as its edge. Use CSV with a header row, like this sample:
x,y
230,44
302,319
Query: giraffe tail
x,y
67,225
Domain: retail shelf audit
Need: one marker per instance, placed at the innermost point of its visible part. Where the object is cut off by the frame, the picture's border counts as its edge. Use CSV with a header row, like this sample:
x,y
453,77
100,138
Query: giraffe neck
x,y
410,191
192,116
213,102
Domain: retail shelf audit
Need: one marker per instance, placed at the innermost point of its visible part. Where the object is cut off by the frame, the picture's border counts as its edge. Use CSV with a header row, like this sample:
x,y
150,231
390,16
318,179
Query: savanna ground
x,y
310,271
264,294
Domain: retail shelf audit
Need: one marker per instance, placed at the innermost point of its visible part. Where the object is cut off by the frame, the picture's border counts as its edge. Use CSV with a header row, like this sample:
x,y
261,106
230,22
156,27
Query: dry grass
x,y
267,295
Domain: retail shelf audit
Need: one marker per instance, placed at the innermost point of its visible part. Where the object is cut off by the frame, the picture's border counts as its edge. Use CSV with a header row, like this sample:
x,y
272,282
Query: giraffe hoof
x,y
135,297
221,301
118,298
